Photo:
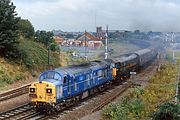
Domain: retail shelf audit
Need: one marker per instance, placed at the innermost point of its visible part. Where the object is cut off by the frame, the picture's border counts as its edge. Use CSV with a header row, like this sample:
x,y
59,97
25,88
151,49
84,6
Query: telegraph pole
x,y
48,47
85,46
48,54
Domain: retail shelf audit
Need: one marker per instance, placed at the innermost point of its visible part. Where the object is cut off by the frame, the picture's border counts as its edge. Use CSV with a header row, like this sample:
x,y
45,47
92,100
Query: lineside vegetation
x,y
141,103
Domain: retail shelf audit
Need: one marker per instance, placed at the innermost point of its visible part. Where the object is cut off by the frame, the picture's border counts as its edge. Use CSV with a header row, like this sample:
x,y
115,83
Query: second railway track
x,y
15,112
14,92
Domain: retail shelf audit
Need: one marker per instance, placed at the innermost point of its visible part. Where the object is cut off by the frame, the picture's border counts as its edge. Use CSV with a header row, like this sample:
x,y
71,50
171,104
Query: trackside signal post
x,y
177,62
177,98
106,43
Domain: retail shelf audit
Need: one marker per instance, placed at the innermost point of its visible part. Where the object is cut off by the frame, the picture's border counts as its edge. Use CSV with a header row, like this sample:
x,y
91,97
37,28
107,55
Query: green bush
x,y
1,70
137,92
116,111
168,111
137,107
29,62
54,47
125,110
7,79
19,76
4,77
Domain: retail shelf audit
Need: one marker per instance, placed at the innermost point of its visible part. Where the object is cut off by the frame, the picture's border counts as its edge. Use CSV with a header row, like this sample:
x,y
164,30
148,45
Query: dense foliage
x,y
47,39
44,37
167,111
54,47
25,28
8,29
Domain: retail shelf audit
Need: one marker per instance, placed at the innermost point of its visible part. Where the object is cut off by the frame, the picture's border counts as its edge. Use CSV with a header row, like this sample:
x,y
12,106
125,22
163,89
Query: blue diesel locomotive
x,y
62,87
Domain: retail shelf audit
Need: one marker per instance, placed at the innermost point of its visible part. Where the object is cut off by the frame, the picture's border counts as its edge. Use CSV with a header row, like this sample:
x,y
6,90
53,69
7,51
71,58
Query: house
x,y
90,40
88,36
58,39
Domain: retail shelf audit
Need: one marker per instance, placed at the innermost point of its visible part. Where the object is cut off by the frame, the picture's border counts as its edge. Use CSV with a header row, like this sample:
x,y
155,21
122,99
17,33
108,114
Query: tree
x,y
8,29
54,47
44,37
26,29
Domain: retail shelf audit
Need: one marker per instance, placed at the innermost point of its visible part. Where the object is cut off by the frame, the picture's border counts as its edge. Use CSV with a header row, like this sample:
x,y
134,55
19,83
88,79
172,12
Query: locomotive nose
x,y
42,92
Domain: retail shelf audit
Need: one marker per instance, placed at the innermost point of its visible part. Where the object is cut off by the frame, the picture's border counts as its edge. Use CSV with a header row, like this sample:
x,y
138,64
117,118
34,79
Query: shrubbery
x,y
167,111
140,103
9,75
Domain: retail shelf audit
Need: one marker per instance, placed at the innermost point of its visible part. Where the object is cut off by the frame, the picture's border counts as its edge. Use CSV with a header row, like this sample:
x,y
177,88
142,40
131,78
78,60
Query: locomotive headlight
x,y
32,89
48,90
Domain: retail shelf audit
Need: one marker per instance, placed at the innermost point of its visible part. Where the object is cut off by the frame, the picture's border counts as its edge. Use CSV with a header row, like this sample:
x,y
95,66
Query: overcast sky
x,y
78,15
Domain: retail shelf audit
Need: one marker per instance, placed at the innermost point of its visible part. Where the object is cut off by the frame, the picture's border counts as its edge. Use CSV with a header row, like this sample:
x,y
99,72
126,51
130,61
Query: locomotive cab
x,y
45,93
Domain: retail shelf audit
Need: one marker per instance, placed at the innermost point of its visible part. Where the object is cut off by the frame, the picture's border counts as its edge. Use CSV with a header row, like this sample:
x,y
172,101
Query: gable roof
x,y
89,37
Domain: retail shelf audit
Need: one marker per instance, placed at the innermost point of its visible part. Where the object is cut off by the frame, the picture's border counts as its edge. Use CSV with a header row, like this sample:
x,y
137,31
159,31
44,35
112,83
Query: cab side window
x,y
95,73
65,80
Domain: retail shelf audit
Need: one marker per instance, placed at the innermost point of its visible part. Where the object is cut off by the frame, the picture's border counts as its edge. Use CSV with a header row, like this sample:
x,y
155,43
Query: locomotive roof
x,y
143,51
84,67
124,58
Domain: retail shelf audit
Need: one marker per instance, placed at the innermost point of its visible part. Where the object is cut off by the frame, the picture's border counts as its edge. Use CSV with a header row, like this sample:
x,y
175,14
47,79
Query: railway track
x,y
14,92
111,98
15,112
90,100
91,104
26,112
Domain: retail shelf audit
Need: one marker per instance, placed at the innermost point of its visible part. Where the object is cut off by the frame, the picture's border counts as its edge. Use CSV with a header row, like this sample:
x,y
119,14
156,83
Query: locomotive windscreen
x,y
49,75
